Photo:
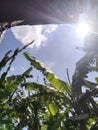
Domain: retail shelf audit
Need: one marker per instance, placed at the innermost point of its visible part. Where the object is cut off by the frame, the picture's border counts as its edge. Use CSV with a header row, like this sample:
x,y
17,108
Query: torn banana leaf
x,y
57,83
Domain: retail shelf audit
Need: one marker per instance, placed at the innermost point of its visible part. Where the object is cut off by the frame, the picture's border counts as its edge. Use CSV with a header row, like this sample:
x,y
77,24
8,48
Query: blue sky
x,y
55,45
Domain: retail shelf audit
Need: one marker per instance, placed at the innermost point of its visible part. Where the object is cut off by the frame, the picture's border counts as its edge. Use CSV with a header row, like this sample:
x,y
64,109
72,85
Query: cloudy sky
x,y
55,45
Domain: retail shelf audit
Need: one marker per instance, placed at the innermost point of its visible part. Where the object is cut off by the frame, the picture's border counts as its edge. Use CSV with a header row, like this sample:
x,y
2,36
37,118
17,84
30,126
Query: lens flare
x,y
83,29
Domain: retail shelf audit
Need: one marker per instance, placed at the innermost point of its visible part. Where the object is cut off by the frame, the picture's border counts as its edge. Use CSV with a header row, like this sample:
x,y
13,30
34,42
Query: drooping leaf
x,y
55,82
34,62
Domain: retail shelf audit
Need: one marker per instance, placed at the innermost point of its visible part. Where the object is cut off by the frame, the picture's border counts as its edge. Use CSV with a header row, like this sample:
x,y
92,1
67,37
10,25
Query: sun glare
x,y
83,29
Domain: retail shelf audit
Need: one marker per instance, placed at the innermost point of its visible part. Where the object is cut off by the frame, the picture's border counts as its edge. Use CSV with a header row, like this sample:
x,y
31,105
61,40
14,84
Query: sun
x,y
83,29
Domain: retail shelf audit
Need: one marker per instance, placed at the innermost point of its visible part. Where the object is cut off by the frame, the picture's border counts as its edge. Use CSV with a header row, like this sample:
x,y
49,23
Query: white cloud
x,y
23,68
28,33
50,28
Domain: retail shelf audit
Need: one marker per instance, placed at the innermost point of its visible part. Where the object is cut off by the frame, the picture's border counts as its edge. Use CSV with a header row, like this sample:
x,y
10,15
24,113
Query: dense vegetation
x,y
49,105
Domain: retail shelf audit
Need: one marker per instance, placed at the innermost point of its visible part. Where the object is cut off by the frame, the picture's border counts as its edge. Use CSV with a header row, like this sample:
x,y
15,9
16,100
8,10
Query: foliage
x,y
43,106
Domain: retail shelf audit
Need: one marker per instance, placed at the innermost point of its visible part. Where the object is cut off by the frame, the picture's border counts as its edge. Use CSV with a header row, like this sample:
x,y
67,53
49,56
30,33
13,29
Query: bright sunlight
x,y
83,29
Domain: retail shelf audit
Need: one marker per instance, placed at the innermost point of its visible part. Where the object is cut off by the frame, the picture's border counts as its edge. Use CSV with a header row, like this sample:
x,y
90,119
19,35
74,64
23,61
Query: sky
x,y
55,46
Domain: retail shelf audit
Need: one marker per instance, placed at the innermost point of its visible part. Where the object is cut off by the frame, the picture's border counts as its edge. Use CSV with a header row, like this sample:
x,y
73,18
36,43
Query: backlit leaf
x,y
53,109
55,82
